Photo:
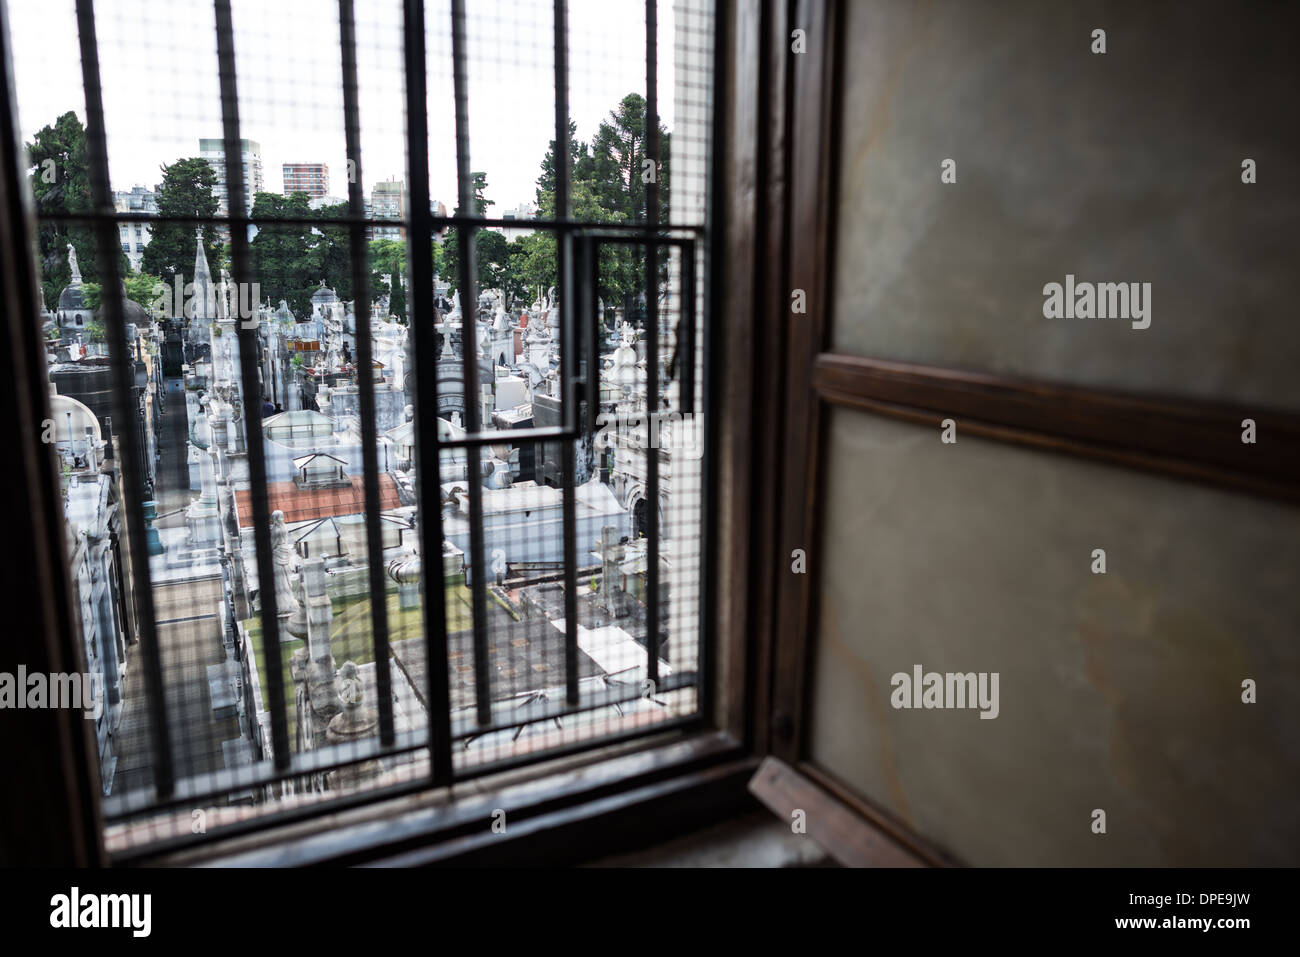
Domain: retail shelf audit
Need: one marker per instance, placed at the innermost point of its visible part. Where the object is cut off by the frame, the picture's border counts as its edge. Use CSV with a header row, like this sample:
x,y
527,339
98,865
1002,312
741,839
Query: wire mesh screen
x,y
384,464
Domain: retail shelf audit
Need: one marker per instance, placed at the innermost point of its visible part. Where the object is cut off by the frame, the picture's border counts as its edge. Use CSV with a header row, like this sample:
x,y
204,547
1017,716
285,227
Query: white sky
x,y
158,65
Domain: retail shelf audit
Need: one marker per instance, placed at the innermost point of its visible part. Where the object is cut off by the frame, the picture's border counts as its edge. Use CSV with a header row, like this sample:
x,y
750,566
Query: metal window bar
x,y
466,233
577,282
123,380
249,373
366,380
569,360
424,340
652,338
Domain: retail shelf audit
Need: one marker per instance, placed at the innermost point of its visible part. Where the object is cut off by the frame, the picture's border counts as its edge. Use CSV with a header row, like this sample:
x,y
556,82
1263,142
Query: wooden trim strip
x,y
1189,439
838,829
809,244
882,820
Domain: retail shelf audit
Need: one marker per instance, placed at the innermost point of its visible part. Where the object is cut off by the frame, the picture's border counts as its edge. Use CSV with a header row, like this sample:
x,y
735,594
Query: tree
x,y
142,288
331,252
387,259
607,185
492,253
60,180
397,298
94,330
186,191
439,260
582,166
280,253
387,256
619,157
479,186
493,258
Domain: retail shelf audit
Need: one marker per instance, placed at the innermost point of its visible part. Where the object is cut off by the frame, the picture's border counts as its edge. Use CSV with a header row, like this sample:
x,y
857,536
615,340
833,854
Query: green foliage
x,y
492,256
479,181
330,255
607,186
60,182
280,254
397,299
387,264
142,288
439,261
186,191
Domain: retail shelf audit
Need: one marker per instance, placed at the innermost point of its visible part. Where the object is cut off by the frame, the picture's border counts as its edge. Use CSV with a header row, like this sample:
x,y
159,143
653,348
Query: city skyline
x,y
160,104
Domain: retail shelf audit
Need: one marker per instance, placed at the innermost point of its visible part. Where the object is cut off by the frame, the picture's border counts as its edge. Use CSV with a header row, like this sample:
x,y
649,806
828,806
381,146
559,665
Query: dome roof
x,y
72,297
132,311
324,295
82,417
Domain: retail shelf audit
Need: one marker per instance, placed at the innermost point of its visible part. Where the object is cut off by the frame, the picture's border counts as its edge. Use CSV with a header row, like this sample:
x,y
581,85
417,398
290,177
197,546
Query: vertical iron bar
x,y
686,336
366,377
586,272
652,340
108,253
252,393
424,340
469,359
713,278
569,359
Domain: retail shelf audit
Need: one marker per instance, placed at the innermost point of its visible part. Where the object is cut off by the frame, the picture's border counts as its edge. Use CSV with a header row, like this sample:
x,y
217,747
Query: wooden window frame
x,y
795,185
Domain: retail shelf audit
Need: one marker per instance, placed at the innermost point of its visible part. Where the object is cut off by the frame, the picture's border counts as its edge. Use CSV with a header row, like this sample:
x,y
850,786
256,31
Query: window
x,y
464,529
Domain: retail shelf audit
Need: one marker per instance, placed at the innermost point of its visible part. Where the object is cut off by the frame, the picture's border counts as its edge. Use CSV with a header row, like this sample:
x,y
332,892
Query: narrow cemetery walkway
x,y
189,638
172,484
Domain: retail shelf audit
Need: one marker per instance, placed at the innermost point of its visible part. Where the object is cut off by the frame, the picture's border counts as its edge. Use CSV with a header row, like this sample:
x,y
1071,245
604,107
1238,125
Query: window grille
x,y
282,640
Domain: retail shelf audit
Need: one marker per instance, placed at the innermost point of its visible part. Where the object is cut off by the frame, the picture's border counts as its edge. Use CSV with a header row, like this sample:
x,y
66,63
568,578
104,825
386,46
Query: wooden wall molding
x,y
838,827
1188,439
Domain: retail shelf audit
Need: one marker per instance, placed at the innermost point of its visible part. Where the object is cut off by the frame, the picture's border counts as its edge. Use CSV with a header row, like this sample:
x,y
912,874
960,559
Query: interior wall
x,y
1115,167
1119,691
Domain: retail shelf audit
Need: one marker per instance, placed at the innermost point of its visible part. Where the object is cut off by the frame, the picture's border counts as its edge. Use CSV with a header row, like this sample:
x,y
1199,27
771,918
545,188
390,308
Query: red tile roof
x,y
299,505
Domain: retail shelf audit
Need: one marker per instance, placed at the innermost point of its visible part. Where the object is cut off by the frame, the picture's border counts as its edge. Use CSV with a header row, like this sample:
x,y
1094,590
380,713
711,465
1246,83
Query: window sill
x,y
561,812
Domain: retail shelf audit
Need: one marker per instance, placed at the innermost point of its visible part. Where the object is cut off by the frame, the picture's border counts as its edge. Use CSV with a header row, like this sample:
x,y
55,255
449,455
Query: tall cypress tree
x,y
60,180
186,191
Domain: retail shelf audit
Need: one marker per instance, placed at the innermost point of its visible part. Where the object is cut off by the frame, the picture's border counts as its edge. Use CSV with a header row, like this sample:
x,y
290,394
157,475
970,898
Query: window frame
x,y
710,751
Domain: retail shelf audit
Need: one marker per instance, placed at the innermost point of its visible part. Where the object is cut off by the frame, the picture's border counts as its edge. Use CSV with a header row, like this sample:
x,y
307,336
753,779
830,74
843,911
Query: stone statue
x,y
223,304
72,265
356,722
282,554
351,688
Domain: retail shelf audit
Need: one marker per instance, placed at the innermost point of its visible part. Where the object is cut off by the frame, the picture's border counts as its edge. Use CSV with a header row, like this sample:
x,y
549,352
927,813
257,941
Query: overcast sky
x,y
159,69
